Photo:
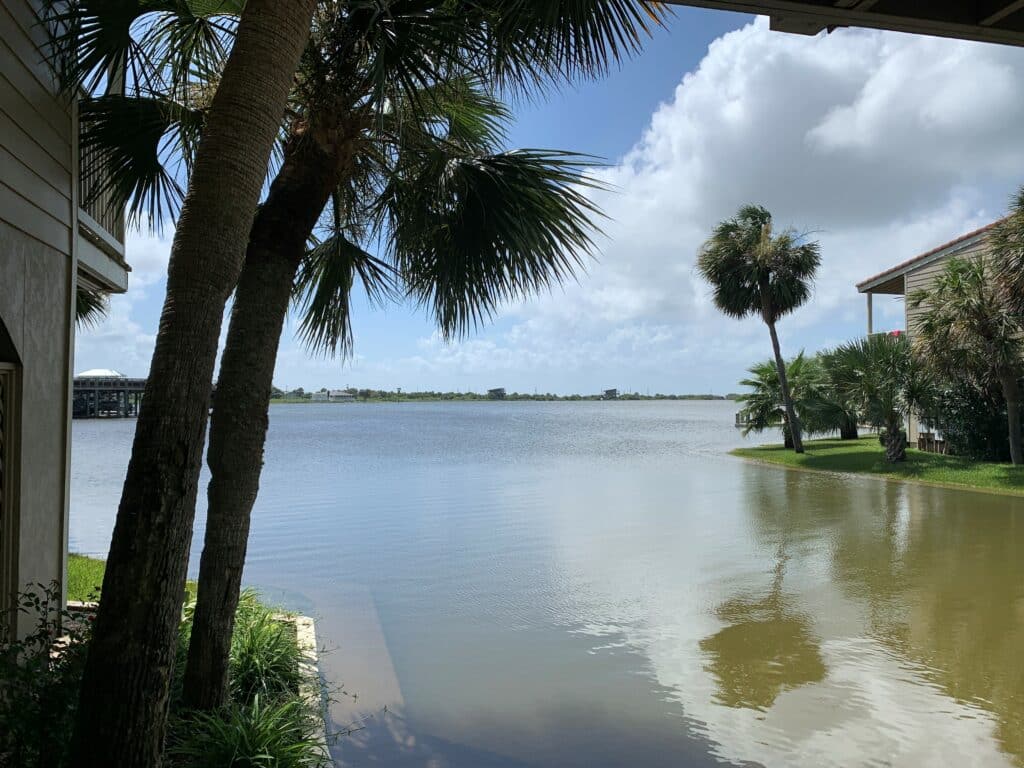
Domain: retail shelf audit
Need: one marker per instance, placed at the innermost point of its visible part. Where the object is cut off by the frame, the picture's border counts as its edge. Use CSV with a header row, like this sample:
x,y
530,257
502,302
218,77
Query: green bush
x,y
40,676
262,734
972,422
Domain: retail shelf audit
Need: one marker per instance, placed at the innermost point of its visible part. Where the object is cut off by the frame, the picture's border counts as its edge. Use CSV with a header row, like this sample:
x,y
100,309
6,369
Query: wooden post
x,y
871,319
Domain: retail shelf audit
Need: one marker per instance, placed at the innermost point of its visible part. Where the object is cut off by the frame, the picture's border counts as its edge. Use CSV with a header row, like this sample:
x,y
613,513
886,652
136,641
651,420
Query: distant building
x,y
319,397
104,392
340,396
496,394
610,394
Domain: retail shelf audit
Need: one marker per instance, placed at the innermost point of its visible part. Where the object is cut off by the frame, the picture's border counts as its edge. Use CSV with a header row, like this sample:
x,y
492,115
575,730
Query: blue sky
x,y
881,144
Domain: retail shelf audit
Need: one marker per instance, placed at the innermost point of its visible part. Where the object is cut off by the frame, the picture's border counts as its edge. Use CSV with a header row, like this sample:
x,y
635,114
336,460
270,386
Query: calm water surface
x,y
598,584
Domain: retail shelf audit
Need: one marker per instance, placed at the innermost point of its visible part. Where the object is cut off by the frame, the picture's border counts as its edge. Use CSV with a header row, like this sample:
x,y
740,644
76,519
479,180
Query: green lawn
x,y
866,457
85,576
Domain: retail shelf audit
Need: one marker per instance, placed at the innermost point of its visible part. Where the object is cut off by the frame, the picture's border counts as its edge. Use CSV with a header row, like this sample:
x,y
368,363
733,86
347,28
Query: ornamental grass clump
x,y
262,734
266,722
264,654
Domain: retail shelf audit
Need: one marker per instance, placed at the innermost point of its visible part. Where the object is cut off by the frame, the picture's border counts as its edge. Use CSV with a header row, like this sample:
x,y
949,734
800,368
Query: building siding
x,y
37,280
36,194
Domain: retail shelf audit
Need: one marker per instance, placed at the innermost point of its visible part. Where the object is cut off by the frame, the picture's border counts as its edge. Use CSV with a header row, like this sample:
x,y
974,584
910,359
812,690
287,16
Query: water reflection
x,y
768,646
943,576
937,578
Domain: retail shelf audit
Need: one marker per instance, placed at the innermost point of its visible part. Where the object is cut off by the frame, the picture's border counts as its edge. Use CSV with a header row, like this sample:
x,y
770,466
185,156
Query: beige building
x,y
49,244
913,274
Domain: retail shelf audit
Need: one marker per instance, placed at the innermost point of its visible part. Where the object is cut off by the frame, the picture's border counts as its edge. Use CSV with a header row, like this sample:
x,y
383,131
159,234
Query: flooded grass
x,y
865,456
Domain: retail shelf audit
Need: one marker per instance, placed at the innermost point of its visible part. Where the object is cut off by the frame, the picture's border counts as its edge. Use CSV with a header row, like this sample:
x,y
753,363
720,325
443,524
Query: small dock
x,y
106,394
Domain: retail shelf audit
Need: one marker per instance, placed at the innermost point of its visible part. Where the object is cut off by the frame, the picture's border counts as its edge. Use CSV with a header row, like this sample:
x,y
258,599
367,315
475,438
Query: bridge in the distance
x,y
104,393
990,21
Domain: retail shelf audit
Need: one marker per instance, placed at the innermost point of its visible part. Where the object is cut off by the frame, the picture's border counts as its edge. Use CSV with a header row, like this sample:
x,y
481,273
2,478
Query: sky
x,y
879,145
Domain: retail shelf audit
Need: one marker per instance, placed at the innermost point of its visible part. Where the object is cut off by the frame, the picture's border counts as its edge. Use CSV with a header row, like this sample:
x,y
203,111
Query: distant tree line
x,y
299,394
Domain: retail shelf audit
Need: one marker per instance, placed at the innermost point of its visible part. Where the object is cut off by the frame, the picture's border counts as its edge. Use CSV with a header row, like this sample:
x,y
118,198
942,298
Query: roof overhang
x,y
893,280
893,285
990,21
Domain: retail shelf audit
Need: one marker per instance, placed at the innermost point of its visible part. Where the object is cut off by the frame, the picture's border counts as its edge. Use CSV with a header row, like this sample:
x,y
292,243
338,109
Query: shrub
x,y
40,676
972,422
262,734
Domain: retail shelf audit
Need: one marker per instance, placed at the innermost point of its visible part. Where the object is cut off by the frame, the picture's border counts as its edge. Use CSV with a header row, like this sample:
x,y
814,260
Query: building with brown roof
x,y
916,273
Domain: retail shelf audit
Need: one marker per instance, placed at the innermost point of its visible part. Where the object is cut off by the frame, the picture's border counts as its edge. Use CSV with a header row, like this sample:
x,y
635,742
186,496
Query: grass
x,y
866,457
85,577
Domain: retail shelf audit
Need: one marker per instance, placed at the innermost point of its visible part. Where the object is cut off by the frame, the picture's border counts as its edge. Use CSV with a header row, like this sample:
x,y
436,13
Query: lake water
x,y
599,584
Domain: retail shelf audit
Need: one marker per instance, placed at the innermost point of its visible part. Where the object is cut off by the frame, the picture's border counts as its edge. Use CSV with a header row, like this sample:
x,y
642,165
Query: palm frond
x,y
1006,244
137,144
473,232
323,288
137,47
532,42
90,306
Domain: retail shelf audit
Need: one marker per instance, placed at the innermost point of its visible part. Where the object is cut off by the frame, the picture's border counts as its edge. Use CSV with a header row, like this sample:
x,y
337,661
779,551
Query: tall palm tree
x,y
969,329
884,380
382,110
464,231
464,228
753,272
130,47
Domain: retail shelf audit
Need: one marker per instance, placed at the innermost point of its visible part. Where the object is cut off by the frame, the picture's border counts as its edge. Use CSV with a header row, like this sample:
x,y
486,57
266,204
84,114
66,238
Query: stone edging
x,y
309,670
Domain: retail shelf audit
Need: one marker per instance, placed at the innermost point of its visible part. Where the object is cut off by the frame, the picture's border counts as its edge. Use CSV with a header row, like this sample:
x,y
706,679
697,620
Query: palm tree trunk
x,y
794,422
1011,392
848,428
123,704
238,426
895,440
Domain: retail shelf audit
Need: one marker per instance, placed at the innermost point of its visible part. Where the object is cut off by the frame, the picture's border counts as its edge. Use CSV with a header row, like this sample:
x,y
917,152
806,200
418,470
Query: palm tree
x,y
753,272
131,48
466,230
384,108
880,376
371,62
968,329
813,400
1006,245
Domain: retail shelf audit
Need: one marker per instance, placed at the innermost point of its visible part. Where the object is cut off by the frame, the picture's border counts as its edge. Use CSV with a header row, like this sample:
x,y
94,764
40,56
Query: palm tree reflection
x,y
766,648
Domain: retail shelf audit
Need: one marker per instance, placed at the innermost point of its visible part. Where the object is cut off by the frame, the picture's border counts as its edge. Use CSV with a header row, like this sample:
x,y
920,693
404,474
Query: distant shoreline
x,y
471,398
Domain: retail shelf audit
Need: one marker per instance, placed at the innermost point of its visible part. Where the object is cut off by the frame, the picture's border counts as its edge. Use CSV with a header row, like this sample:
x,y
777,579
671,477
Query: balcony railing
x,y
97,202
